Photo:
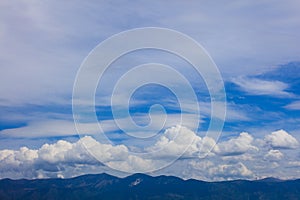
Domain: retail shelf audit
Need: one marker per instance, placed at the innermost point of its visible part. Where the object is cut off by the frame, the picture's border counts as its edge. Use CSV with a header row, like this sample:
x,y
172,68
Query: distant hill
x,y
140,186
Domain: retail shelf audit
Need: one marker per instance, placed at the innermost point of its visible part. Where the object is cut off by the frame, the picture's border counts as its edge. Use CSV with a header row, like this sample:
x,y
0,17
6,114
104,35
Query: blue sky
x,y
255,46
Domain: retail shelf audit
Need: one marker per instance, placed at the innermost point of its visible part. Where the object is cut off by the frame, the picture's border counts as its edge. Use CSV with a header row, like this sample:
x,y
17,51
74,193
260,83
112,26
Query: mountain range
x,y
141,186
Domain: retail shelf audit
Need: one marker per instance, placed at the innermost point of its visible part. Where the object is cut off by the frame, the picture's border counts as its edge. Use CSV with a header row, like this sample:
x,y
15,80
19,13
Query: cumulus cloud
x,y
181,141
236,146
282,140
223,171
234,171
274,155
175,140
227,160
55,158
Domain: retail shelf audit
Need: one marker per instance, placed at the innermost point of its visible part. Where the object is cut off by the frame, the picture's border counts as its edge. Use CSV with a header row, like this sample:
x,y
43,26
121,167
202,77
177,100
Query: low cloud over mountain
x,y
240,157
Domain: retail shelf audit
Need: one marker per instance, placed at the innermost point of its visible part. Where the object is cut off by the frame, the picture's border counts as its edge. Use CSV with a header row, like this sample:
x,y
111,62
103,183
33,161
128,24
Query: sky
x,y
254,45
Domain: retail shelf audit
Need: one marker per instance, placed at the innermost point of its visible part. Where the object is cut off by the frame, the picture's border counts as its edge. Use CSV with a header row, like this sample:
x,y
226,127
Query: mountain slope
x,y
140,186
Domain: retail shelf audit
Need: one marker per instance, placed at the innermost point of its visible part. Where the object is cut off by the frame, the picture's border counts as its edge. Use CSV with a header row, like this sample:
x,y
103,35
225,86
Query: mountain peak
x,y
270,179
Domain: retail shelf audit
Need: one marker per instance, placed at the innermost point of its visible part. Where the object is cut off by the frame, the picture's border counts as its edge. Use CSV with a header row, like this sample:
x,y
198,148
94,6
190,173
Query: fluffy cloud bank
x,y
238,157
209,171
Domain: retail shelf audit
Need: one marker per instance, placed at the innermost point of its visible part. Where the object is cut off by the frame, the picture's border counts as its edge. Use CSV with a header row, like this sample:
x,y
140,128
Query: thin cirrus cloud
x,y
293,106
63,127
257,86
45,38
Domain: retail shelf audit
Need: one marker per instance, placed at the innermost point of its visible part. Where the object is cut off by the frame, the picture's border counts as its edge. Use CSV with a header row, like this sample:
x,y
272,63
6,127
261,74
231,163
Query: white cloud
x,y
178,139
281,139
294,163
236,158
175,141
293,106
211,171
236,146
134,164
262,87
54,153
52,128
233,171
56,157
274,155
105,152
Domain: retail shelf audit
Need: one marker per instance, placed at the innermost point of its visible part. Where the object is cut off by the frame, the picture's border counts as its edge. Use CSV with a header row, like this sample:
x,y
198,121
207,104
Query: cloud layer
x,y
238,157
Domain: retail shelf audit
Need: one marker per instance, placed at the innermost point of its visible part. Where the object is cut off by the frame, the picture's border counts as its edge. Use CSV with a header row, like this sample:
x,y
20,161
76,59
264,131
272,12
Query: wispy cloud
x,y
62,127
257,86
293,106
43,44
